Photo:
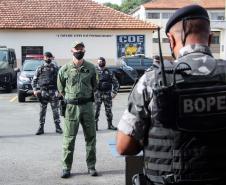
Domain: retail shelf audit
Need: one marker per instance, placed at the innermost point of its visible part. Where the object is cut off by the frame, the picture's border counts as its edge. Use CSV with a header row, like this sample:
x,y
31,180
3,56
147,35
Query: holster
x,y
63,105
39,96
140,179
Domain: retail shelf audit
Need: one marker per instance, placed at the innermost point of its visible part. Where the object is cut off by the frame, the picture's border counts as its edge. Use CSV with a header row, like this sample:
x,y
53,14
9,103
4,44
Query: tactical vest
x,y
187,136
105,81
48,77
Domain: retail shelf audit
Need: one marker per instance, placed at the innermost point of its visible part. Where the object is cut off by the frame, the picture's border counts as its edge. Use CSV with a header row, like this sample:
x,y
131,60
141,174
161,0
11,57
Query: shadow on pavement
x,y
101,173
28,135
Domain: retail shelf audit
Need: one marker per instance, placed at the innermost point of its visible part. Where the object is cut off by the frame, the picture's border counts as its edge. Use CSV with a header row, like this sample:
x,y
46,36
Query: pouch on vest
x,y
195,104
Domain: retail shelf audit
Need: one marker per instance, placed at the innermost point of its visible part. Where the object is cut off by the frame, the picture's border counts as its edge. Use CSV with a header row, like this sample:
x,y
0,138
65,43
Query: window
x,y
165,40
217,16
153,15
215,38
167,15
155,40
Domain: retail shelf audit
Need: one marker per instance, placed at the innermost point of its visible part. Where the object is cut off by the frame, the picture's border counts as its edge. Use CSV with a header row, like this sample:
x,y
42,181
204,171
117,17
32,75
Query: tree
x,y
114,6
127,5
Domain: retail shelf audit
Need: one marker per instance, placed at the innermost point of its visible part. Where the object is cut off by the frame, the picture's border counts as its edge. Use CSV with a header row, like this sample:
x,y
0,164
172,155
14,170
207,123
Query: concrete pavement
x,y
27,159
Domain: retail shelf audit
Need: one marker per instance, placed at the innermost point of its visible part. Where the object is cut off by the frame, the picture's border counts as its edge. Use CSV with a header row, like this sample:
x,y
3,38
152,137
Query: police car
x,y
26,74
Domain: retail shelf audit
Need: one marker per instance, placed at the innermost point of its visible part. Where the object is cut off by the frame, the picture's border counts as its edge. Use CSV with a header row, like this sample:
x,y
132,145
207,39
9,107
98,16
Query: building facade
x,y
54,25
159,11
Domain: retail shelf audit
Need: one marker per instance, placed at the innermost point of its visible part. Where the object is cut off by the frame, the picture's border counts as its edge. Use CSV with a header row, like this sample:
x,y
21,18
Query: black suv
x,y
8,68
140,63
25,78
131,68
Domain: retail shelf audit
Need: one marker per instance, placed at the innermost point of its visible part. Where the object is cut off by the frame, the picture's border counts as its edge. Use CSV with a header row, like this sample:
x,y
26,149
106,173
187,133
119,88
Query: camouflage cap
x,y
78,43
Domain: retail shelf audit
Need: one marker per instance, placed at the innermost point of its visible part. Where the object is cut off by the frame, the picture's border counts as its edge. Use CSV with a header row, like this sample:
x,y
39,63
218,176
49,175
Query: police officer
x,y
77,82
45,88
183,135
107,89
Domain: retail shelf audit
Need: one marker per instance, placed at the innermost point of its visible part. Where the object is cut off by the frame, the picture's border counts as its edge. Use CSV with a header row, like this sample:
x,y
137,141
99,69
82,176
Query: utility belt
x,y
172,179
46,88
79,101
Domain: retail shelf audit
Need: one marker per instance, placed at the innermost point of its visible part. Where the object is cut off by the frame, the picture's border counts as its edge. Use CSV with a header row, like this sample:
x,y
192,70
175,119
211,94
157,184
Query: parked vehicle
x,y
131,68
25,78
8,68
139,62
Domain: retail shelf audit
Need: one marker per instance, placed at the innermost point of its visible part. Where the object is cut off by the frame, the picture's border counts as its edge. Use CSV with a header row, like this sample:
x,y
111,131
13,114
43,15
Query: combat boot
x,y
66,174
40,130
96,125
110,126
58,129
92,172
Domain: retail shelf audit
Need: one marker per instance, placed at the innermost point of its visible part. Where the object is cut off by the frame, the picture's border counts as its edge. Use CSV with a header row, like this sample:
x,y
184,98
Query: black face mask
x,y
79,55
48,61
101,64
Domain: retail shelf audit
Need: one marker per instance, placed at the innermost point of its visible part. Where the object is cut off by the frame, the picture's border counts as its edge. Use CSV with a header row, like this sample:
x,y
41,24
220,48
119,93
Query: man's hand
x,y
113,95
127,145
35,93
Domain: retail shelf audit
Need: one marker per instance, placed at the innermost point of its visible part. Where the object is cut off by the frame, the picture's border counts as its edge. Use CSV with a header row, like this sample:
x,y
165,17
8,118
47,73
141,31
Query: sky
x,y
109,1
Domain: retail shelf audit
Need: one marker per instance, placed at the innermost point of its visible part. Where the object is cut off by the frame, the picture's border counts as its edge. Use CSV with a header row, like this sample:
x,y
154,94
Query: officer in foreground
x,y
77,83
107,89
178,116
45,88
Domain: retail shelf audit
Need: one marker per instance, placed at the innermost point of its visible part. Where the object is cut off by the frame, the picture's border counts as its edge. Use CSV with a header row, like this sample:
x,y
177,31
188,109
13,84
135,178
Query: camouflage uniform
x,y
105,96
136,119
47,94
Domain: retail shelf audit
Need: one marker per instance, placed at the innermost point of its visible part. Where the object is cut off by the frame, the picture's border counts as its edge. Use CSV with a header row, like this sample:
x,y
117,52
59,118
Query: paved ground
x,y
27,159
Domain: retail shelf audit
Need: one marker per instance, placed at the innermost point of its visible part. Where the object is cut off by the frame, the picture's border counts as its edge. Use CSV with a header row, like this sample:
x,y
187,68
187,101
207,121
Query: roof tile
x,y
65,14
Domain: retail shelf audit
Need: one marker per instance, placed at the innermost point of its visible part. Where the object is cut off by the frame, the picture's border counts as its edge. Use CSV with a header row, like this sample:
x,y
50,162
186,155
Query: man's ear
x,y
72,50
210,38
171,40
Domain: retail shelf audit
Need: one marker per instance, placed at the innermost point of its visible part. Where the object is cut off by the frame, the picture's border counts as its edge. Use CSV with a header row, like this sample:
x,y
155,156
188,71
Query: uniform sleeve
x,y
94,80
35,79
136,119
115,84
61,81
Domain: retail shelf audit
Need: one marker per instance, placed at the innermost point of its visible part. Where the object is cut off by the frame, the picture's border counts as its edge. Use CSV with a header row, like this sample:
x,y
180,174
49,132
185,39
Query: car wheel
x,y
21,97
8,88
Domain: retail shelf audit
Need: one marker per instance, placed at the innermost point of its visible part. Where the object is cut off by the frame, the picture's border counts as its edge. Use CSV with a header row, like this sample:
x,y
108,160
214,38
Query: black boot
x,y
111,127
58,129
40,130
96,125
66,174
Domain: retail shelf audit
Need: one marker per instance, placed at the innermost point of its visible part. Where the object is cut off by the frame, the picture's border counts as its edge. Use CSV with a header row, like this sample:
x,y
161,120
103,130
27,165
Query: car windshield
x,y
137,62
3,60
32,65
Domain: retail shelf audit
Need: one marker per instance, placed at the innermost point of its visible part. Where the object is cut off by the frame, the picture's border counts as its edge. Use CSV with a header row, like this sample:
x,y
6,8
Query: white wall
x,y
223,45
97,42
162,23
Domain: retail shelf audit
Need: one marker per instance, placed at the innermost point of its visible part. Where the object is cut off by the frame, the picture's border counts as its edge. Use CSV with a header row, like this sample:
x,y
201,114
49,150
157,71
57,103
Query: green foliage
x,y
114,6
127,5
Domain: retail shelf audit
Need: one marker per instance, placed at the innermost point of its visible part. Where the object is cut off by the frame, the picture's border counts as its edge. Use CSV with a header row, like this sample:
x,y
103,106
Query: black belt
x,y
48,88
79,101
